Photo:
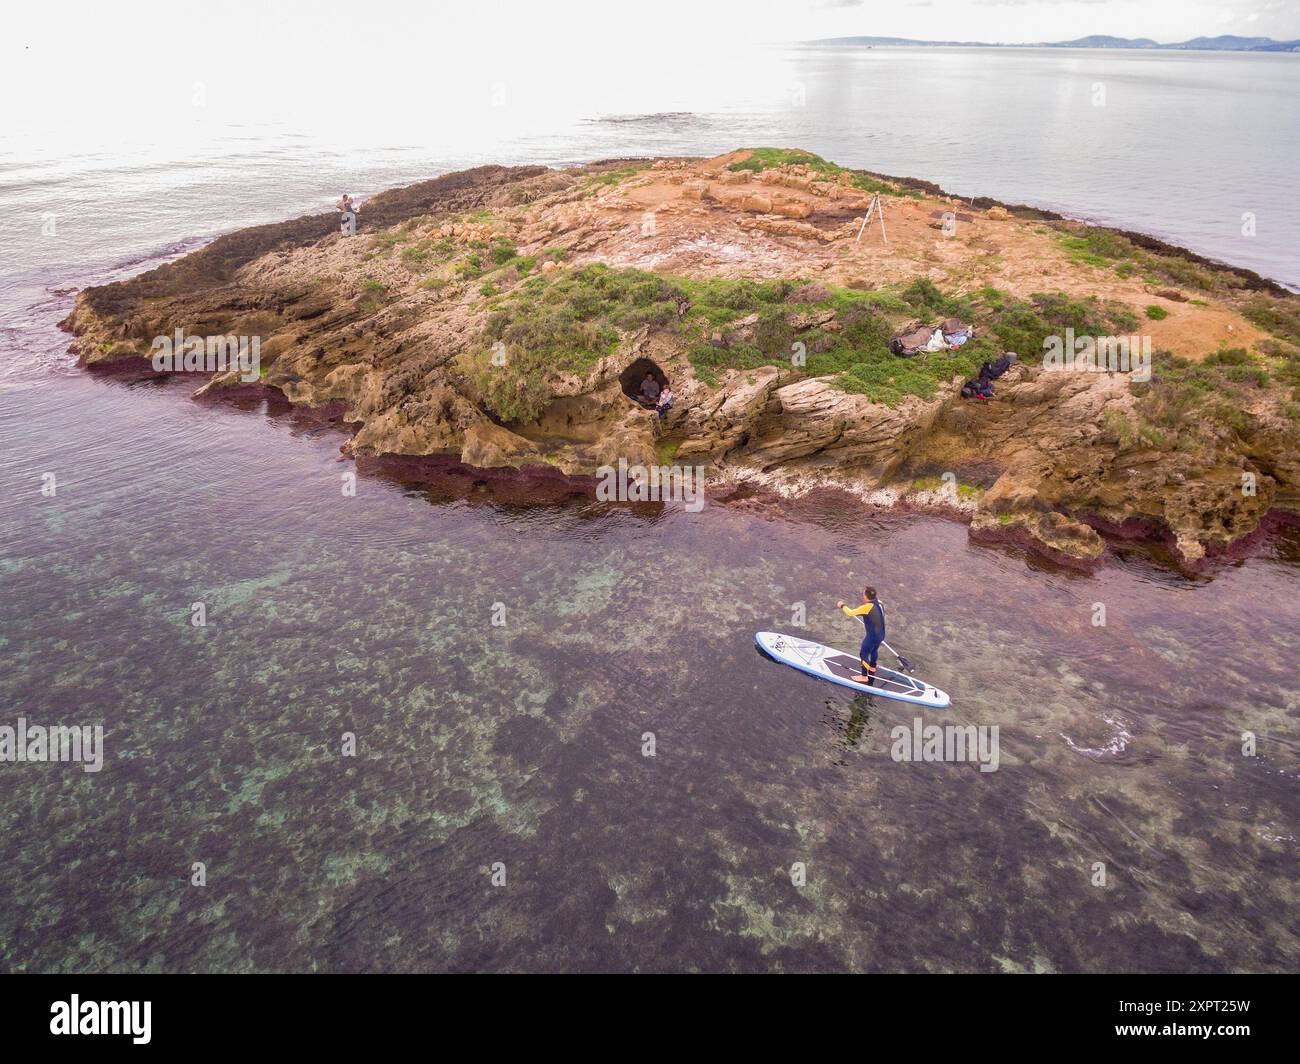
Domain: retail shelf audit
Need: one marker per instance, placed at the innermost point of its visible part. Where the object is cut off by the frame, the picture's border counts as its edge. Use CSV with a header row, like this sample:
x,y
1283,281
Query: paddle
x,y
907,665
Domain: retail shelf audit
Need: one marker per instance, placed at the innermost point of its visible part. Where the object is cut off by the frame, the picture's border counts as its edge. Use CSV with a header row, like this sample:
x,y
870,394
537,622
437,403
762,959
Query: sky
x,y
104,65
1025,21
573,25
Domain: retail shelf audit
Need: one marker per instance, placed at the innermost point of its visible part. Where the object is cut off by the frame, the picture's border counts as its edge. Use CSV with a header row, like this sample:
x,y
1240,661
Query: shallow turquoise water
x,y
522,744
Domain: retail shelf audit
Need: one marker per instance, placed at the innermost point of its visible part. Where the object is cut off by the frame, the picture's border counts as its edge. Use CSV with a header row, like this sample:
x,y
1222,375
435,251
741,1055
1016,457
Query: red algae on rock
x,y
492,318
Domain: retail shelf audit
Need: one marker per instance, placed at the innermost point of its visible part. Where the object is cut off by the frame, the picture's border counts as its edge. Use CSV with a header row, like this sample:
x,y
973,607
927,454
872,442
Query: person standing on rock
x,y
347,215
873,620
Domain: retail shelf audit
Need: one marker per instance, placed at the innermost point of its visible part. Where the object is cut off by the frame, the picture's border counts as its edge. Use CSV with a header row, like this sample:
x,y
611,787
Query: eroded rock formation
x,y
374,328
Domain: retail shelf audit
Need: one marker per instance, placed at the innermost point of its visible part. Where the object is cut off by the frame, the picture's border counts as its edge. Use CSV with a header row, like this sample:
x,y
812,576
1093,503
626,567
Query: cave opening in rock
x,y
630,379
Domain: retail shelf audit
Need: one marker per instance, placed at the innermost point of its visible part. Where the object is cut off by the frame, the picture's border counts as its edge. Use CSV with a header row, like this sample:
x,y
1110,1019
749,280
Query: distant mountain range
x,y
1225,43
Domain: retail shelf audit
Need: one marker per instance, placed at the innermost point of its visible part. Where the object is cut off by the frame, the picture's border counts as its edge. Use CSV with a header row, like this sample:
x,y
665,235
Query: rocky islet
x,y
717,273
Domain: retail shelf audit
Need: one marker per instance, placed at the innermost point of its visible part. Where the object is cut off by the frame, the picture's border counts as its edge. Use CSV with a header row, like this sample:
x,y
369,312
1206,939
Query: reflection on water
x,y
522,743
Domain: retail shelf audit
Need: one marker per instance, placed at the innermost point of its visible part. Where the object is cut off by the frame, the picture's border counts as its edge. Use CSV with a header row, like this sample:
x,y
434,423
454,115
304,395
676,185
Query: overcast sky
x,y
558,23
95,63
1018,21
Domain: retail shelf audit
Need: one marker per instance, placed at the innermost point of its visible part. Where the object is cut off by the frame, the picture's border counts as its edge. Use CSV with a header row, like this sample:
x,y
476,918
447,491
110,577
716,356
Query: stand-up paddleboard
x,y
838,667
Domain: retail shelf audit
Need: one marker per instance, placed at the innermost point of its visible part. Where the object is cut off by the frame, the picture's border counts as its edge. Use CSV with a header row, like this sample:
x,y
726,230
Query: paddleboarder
x,y
873,620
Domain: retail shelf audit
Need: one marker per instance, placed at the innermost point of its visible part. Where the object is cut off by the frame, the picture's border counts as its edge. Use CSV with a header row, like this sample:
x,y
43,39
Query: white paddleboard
x,y
836,666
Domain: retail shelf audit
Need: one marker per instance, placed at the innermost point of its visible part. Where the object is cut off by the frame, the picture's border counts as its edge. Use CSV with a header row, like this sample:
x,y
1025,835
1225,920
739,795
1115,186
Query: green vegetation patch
x,y
502,251
561,323
1023,325
740,324
566,321
1102,248
424,253
1281,317
616,177
1098,247
1002,323
469,268
761,159
1189,405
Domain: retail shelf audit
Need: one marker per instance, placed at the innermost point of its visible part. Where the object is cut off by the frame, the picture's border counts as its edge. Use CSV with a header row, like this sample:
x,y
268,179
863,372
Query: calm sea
x,y
520,747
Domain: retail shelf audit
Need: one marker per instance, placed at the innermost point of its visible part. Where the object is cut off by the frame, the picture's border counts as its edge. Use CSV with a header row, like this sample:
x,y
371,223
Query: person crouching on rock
x,y
649,391
873,620
665,402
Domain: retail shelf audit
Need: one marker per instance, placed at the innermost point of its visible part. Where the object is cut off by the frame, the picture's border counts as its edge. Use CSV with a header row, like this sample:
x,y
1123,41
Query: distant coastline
x,y
1224,43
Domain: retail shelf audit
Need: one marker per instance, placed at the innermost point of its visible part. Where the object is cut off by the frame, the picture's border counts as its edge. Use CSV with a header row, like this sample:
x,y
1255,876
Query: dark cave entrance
x,y
630,379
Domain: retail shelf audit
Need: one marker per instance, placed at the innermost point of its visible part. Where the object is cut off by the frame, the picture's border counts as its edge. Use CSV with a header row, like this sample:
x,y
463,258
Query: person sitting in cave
x,y
665,401
649,392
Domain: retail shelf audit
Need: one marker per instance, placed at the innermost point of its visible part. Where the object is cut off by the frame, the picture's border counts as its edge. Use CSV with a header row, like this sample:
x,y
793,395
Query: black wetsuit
x,y
873,620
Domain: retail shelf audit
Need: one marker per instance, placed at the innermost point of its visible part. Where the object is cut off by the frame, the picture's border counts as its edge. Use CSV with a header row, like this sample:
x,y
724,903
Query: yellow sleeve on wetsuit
x,y
861,611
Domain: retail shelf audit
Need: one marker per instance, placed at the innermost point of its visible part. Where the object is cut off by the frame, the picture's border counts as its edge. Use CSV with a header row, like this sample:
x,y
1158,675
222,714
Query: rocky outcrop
x,y
718,423
489,446
815,422
372,329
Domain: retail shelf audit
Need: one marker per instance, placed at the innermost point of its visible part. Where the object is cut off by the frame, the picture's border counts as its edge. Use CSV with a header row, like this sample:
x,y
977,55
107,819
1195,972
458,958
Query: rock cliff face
x,y
399,330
